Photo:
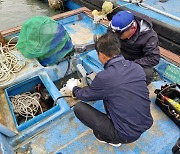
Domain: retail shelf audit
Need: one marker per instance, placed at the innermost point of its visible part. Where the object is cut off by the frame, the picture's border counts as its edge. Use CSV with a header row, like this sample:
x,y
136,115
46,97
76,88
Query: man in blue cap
x,y
139,42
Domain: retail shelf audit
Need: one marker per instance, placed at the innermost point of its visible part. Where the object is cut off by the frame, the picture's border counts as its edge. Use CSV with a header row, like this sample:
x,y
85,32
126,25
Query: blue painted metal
x,y
38,128
28,86
73,25
5,148
93,57
171,7
6,131
161,67
71,5
166,20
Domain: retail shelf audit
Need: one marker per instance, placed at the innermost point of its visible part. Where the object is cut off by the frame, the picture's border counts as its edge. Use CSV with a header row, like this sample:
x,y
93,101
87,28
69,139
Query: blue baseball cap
x,y
121,21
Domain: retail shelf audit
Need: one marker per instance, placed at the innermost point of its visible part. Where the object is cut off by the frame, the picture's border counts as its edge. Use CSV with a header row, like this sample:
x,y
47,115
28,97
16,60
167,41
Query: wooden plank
x,y
170,56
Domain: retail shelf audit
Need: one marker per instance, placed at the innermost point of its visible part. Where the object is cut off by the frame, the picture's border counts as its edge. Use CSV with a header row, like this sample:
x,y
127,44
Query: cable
x,y
59,98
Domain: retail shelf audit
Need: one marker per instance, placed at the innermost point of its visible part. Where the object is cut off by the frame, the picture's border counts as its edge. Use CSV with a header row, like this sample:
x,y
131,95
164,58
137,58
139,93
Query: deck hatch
x,y
25,86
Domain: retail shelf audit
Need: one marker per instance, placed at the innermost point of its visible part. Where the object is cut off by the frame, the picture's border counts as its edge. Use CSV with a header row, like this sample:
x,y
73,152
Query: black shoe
x,y
163,1
104,140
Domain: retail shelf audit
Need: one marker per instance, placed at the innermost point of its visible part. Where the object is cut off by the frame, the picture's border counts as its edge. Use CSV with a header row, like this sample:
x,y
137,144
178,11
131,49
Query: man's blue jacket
x,y
122,87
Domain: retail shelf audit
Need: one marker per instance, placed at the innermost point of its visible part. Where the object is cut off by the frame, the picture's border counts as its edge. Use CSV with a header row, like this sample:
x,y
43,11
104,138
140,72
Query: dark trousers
x,y
99,122
149,74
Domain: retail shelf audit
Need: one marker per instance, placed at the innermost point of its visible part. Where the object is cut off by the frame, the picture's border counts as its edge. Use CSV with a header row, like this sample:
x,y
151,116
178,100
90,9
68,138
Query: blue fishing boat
x,y
57,130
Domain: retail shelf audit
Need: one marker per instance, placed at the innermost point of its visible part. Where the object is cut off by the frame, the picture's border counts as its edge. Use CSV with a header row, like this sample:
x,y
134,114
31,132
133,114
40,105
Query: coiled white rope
x,y
26,104
9,64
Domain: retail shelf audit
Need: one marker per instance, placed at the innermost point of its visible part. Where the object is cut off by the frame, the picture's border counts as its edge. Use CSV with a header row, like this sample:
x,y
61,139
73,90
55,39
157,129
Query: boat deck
x,y
69,135
62,132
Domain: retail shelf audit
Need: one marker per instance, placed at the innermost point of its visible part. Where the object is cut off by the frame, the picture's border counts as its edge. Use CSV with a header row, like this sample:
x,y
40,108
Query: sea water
x,y
15,12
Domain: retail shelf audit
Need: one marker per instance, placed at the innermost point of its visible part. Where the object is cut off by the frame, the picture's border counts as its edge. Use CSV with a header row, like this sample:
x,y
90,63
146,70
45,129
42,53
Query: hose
x,y
59,98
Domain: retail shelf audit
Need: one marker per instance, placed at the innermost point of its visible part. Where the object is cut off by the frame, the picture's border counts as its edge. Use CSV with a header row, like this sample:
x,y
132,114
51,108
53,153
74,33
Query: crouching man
x,y
122,87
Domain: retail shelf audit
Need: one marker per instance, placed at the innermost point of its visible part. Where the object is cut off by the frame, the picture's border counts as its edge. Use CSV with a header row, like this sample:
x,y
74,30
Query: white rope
x,y
9,64
26,104
98,18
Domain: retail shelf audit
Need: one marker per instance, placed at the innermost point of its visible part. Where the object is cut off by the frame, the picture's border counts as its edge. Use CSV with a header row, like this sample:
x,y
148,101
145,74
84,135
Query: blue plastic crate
x,y
28,86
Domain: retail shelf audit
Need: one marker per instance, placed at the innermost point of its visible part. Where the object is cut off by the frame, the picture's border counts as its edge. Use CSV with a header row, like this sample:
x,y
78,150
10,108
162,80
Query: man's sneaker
x,y
115,145
101,141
